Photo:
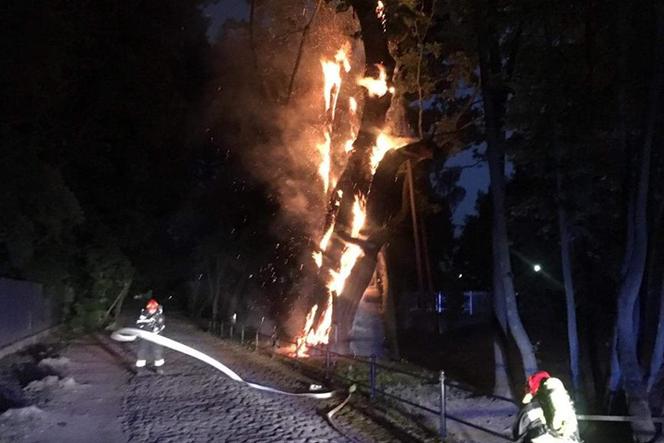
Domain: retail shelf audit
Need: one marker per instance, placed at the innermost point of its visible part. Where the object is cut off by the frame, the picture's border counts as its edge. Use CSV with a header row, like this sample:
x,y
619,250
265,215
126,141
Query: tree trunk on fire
x,y
495,156
356,178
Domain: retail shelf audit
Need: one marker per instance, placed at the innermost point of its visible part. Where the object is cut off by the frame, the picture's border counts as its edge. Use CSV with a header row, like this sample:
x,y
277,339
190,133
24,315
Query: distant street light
x,y
460,275
537,268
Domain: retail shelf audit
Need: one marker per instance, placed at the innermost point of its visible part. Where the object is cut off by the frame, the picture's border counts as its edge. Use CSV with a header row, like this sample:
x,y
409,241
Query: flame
x,y
384,144
380,13
376,87
331,88
352,252
312,334
341,58
318,255
352,108
359,216
349,257
348,146
332,76
352,105
321,334
325,163
300,351
326,238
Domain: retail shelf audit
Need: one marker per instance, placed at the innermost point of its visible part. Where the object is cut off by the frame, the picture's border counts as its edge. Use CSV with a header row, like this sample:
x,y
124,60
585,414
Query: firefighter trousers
x,y
149,352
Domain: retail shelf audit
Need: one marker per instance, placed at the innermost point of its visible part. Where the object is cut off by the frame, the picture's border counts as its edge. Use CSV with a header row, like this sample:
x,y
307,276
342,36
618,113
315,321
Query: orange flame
x,y
380,13
341,58
352,252
321,334
332,76
376,87
352,108
384,144
313,335
325,163
352,105
318,255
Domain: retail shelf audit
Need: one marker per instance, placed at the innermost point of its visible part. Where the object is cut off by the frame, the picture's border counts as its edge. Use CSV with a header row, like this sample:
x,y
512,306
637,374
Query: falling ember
x,y
376,87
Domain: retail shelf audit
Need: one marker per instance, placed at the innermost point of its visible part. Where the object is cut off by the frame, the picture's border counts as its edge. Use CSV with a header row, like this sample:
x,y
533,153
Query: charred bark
x,y
386,210
357,177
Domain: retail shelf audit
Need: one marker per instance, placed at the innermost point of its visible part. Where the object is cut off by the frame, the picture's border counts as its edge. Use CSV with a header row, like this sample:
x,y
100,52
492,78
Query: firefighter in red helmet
x,y
548,415
152,320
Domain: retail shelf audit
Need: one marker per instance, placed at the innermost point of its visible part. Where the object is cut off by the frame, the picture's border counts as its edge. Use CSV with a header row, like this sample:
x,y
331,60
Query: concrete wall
x,y
24,311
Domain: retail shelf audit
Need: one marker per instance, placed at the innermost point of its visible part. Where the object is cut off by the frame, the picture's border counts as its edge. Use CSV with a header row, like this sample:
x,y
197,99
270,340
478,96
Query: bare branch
x,y
420,42
298,58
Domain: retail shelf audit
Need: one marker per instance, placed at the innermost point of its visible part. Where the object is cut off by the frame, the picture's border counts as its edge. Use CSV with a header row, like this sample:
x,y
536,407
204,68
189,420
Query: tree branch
x,y
298,58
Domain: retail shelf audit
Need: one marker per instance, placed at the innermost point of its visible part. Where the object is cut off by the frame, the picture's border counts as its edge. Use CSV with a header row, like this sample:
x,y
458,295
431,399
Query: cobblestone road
x,y
192,402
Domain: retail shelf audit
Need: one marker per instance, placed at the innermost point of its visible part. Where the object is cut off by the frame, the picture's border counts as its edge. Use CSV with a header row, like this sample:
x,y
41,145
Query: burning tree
x,y
321,136
357,223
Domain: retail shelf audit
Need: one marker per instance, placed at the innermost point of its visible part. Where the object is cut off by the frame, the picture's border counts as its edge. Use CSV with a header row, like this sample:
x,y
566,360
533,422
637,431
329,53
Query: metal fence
x,y
24,310
366,384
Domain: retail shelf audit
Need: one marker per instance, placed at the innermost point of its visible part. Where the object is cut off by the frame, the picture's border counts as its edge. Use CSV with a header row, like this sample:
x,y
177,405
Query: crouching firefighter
x,y
548,415
152,320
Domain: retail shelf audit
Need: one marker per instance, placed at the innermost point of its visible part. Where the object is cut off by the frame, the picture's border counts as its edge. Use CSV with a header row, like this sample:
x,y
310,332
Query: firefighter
x,y
152,320
548,415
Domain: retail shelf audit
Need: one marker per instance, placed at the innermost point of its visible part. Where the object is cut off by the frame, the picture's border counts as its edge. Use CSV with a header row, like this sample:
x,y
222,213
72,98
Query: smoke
x,y
276,140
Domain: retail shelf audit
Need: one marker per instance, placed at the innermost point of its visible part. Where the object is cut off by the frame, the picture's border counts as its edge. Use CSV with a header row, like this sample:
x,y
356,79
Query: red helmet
x,y
152,305
535,380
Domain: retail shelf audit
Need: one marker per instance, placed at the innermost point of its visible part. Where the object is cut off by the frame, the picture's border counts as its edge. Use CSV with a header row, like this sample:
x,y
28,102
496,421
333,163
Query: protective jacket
x,y
153,322
548,416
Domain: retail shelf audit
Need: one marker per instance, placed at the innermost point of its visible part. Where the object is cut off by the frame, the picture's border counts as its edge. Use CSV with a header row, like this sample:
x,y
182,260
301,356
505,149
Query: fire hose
x,y
131,334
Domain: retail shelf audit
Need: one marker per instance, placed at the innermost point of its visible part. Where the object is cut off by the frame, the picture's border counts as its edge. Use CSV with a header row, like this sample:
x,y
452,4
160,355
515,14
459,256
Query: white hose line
x,y
330,414
131,334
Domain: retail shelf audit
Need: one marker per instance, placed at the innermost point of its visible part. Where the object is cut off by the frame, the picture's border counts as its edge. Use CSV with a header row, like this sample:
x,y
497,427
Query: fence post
x,y
327,359
242,334
274,341
256,345
231,330
443,406
372,377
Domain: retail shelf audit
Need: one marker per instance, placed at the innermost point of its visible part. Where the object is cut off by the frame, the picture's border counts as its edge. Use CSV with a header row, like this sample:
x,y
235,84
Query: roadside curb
x,y
28,341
